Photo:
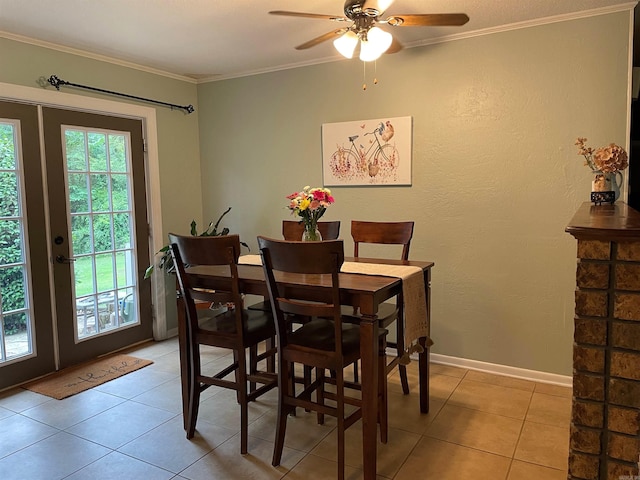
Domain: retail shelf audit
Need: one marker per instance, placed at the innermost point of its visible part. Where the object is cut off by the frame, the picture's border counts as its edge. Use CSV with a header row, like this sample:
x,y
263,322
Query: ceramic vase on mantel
x,y
605,187
311,232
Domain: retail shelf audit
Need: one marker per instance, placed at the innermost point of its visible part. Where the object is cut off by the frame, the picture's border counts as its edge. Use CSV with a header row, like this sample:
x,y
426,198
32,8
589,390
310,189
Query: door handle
x,y
63,259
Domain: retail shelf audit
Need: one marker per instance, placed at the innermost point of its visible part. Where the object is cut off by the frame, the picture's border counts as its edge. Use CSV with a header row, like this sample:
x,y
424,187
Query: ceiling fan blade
x,y
309,15
427,20
321,38
395,47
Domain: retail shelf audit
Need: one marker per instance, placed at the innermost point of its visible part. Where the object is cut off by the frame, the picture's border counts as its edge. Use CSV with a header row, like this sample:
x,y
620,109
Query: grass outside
x,y
83,270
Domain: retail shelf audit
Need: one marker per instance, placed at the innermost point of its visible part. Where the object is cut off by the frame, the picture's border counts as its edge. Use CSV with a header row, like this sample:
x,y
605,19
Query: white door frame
x,y
54,98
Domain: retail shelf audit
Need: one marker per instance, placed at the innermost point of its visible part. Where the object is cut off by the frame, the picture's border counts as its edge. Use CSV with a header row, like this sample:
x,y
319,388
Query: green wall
x,y
495,174
178,142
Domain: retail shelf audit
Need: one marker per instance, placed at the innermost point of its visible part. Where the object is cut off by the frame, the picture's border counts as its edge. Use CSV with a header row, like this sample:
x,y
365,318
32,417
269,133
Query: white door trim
x,y
54,98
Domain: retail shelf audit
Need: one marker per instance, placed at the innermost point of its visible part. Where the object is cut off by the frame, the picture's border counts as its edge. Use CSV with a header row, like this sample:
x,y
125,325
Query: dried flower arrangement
x,y
612,158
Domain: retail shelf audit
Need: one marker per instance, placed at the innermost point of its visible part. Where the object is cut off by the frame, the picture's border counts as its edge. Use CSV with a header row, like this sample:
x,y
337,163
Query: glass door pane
x,y
99,185
16,319
27,348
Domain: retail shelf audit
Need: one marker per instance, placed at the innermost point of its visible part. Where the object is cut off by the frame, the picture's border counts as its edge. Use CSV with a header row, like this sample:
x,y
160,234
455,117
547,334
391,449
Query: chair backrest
x,y
388,233
295,257
189,251
292,231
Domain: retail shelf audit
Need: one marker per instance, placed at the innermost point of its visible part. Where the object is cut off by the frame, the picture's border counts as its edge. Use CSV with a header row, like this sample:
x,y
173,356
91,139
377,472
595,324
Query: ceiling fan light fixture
x,y
384,4
346,44
378,41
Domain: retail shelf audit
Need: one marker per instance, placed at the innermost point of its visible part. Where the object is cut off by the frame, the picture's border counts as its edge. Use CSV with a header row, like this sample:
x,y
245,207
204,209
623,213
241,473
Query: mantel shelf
x,y
605,222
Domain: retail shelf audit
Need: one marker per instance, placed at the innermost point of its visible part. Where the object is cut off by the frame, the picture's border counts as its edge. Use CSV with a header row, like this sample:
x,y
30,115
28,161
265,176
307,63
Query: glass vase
x,y
311,233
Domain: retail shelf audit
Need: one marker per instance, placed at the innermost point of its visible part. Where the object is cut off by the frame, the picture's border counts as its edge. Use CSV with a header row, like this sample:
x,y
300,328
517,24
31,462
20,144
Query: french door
x,y
94,239
26,328
99,233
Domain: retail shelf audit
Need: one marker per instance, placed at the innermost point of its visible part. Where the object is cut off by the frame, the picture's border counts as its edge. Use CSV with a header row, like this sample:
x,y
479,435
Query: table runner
x,y
416,321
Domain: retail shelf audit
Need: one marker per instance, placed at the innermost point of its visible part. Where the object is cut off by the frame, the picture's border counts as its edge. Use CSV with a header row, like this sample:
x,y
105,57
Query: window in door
x,y
98,175
16,319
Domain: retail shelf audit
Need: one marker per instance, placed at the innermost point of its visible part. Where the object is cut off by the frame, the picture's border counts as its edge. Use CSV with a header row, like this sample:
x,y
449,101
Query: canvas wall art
x,y
367,152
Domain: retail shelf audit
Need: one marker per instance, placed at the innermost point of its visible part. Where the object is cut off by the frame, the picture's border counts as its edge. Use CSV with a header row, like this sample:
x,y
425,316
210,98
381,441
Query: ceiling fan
x,y
364,15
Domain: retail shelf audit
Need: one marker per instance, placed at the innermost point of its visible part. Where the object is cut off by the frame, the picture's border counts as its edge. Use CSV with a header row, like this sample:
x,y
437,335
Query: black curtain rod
x,y
56,82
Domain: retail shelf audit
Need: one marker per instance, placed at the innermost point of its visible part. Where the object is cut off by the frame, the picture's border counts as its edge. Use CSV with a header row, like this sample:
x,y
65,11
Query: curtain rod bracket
x,y
57,82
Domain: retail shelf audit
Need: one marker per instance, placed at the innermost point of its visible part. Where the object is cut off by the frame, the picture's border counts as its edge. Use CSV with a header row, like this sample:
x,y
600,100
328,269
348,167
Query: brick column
x,y
605,425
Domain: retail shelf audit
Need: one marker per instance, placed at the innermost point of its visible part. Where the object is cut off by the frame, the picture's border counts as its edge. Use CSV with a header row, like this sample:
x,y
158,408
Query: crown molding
x,y
623,7
447,38
94,56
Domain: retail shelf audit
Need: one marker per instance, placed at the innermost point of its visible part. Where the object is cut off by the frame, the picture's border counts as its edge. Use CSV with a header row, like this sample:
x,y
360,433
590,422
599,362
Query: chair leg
x,y
355,371
307,379
284,384
340,415
382,392
194,392
241,380
253,364
320,392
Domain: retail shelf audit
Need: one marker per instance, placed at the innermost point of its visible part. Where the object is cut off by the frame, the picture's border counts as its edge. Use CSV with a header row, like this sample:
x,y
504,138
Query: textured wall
x,y
179,154
495,175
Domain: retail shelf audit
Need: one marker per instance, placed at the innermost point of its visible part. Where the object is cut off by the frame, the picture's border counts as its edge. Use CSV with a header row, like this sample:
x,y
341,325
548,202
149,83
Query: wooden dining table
x,y
366,292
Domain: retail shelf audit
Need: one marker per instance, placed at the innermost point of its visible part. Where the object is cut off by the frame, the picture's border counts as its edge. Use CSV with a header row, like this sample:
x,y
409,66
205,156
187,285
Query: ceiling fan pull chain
x,y
364,75
375,72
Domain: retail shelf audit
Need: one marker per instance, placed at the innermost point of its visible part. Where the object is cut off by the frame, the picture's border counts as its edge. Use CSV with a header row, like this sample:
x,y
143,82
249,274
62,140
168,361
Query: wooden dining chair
x,y
323,343
387,233
237,329
292,230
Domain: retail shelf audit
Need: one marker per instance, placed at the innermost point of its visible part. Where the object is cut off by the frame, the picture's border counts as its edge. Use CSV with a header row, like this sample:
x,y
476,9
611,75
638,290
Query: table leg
x,y
423,358
184,359
423,369
369,361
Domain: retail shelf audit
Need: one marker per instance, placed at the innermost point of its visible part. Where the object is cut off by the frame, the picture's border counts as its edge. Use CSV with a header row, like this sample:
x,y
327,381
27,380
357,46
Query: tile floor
x,y
480,427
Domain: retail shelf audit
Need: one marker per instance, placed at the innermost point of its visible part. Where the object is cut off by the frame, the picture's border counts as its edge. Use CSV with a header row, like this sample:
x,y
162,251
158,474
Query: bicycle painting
x,y
369,152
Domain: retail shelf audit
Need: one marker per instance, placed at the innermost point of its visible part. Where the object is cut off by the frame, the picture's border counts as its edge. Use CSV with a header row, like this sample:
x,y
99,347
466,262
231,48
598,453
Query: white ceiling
x,y
210,39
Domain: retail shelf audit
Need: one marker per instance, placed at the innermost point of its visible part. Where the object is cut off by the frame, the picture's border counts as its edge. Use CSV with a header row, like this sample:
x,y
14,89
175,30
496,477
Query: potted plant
x,y
166,260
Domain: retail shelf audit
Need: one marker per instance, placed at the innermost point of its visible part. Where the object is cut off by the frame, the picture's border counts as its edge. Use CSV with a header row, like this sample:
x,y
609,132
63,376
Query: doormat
x,y
79,378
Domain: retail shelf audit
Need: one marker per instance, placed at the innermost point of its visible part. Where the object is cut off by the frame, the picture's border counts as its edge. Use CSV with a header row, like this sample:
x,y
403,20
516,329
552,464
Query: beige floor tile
x,y
528,471
223,410
442,380
317,468
169,362
475,416
434,459
225,462
549,409
544,445
500,380
472,428
439,369
440,387
390,456
303,432
510,402
404,412
152,350
554,390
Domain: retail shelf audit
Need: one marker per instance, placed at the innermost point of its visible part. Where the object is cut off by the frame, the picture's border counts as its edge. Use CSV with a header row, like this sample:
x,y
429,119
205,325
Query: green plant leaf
x,y
166,260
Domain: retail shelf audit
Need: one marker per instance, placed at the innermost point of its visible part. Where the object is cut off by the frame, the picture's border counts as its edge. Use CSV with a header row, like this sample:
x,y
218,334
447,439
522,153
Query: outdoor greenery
x,y
96,183
83,272
11,275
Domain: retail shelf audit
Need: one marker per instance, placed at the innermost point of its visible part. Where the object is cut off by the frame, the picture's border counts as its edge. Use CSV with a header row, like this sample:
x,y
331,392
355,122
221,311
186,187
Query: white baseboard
x,y
505,370
495,368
